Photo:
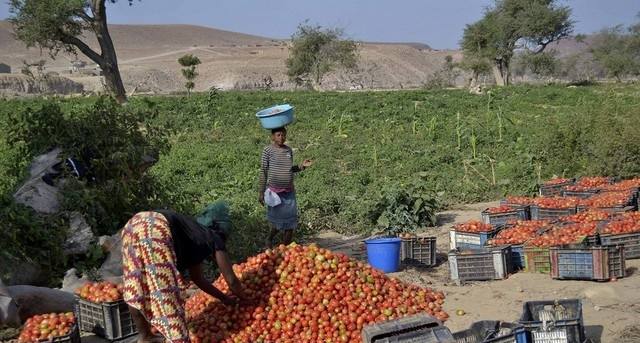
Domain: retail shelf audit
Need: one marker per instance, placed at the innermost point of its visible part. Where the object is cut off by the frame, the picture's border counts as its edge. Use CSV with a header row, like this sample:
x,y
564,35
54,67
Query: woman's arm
x,y
224,264
198,278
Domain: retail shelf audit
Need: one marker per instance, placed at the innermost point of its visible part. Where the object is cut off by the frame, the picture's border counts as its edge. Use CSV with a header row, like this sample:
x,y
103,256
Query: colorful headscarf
x,y
216,217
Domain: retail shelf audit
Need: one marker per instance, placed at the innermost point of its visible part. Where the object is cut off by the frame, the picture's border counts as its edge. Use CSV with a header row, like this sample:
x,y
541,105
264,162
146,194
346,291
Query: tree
x,y
528,25
315,52
57,25
477,66
618,51
189,72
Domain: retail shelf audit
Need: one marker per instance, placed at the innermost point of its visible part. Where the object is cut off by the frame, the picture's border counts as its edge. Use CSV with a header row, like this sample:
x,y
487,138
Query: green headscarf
x,y
216,213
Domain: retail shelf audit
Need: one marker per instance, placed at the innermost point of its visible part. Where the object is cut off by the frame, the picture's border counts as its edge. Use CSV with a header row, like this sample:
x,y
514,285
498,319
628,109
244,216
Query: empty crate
x,y
492,331
537,260
419,251
411,329
480,265
554,321
109,320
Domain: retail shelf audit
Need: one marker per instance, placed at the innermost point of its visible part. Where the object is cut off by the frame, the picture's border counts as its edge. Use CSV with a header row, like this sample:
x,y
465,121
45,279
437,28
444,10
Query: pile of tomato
x,y
587,216
99,292
46,327
624,185
500,209
557,181
609,199
593,181
621,226
520,232
306,294
517,200
473,226
556,202
562,235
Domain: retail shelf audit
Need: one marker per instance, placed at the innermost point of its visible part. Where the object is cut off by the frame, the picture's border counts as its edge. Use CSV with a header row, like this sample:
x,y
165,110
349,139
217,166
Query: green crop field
x,y
455,146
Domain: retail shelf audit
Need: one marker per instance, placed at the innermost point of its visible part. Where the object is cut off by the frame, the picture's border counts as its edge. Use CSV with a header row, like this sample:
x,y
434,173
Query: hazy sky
x,y
438,23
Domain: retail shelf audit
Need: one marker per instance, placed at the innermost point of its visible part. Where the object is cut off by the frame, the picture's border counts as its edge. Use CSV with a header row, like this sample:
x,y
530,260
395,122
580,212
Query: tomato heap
x,y
99,292
609,199
306,294
562,235
556,202
587,216
500,209
623,225
516,200
624,185
593,181
473,226
520,232
46,327
557,181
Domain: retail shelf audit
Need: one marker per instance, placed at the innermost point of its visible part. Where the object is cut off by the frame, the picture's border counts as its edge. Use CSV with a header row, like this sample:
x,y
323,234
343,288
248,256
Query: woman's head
x,y
215,217
279,135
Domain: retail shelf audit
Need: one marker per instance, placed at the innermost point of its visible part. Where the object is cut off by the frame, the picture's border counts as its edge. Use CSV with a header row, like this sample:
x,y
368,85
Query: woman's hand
x,y
224,264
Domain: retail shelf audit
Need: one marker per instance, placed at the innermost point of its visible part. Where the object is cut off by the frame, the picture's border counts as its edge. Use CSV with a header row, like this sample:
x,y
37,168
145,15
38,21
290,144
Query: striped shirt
x,y
276,170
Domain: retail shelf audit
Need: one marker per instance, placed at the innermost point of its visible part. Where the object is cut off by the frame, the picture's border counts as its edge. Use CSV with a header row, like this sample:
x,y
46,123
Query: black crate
x,y
109,320
553,321
72,337
410,329
630,241
419,251
492,331
614,209
584,194
554,190
480,264
539,213
501,219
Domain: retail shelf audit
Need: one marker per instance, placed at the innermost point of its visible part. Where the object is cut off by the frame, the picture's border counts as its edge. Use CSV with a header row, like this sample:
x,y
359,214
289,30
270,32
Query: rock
x,y
16,271
79,237
112,267
8,309
105,242
71,281
32,300
35,193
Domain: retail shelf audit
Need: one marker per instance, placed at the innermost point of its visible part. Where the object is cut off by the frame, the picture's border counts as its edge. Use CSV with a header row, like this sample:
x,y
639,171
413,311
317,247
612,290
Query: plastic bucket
x,y
384,253
276,116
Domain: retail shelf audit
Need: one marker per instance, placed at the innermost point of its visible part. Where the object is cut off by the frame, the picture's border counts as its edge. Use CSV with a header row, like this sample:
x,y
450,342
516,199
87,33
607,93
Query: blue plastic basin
x,y
384,253
276,116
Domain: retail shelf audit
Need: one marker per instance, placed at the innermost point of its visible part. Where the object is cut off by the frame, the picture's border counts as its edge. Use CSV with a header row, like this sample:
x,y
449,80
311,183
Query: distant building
x,y
5,68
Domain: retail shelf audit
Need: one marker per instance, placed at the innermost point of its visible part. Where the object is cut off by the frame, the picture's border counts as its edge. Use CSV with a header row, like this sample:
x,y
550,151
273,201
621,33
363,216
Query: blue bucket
x,y
384,253
276,116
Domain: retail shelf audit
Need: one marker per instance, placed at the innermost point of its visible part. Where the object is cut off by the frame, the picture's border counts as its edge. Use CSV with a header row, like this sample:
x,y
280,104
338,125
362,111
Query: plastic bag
x,y
271,198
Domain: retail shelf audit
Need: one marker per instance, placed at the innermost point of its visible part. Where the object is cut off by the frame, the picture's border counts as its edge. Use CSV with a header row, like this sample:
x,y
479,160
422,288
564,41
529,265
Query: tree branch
x,y
85,17
94,56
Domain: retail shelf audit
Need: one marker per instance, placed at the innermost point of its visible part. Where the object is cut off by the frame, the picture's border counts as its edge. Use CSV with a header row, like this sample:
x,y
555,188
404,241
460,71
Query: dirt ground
x,y
609,308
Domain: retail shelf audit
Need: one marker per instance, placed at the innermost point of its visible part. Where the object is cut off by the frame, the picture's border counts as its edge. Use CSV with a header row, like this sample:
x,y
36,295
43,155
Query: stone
x,y
79,237
112,267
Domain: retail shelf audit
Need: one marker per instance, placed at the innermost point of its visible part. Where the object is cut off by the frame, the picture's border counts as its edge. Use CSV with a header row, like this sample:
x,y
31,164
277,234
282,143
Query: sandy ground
x,y
608,307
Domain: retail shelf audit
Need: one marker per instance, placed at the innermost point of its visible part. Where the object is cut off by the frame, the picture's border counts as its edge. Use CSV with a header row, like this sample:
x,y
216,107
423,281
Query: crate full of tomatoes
x,y
503,214
471,235
51,327
554,187
101,310
623,230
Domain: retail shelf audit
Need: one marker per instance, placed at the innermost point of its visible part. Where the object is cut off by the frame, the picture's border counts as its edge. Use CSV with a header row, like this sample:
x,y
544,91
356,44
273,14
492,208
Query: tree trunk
x,y
501,72
109,65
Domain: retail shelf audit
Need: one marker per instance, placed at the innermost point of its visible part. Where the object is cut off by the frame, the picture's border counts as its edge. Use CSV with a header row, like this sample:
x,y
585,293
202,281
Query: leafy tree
x,y
511,25
476,66
618,51
189,62
316,51
57,25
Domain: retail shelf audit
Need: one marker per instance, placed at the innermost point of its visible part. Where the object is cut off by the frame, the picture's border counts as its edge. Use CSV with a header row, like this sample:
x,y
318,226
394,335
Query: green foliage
x,y
618,51
515,24
405,208
189,62
542,64
316,51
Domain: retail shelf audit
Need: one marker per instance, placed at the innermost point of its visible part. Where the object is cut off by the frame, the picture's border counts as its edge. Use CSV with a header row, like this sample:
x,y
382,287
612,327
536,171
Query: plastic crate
x,y
517,257
615,209
591,263
537,260
553,190
480,265
580,194
72,337
410,329
419,251
538,213
630,241
108,320
491,331
554,321
470,240
499,219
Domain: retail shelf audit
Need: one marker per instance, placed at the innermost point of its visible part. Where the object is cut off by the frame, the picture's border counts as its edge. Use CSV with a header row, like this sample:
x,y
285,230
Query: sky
x,y
438,23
